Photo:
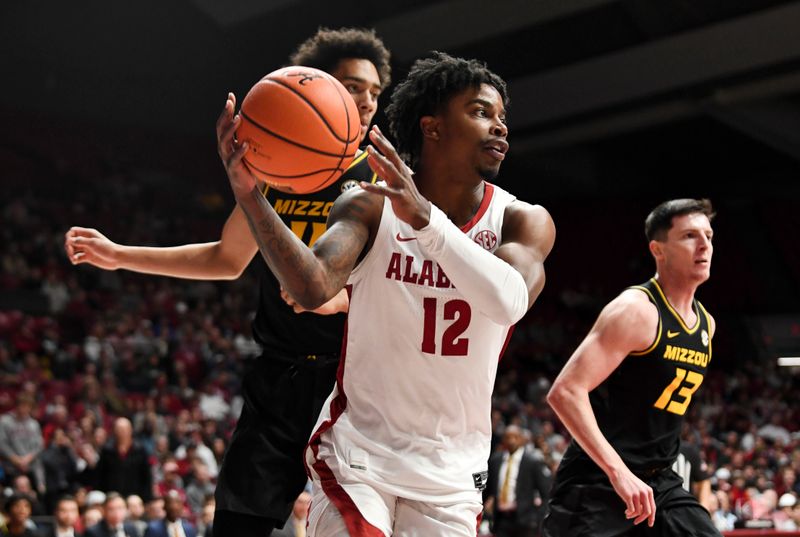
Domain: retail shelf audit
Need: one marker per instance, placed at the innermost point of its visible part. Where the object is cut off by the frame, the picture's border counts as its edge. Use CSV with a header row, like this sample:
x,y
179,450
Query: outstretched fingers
x,y
386,148
382,166
382,190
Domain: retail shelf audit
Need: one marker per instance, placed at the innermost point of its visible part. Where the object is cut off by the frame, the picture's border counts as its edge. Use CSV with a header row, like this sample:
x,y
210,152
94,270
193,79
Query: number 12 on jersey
x,y
452,344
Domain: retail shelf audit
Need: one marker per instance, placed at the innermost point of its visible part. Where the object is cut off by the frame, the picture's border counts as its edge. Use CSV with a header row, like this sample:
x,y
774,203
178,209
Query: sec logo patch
x,y
487,239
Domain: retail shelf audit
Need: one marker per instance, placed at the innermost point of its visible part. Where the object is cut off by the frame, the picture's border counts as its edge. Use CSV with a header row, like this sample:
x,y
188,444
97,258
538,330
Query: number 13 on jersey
x,y
677,403
452,344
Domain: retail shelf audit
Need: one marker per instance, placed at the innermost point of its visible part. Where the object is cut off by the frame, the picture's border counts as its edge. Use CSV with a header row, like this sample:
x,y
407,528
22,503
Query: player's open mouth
x,y
497,149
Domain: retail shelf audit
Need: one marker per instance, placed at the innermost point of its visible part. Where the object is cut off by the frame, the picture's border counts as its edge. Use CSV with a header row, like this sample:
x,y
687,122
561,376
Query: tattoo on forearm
x,y
275,242
308,276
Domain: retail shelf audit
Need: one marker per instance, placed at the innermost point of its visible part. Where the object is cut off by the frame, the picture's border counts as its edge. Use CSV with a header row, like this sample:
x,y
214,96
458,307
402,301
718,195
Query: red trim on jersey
x,y
339,403
353,519
488,192
478,525
505,344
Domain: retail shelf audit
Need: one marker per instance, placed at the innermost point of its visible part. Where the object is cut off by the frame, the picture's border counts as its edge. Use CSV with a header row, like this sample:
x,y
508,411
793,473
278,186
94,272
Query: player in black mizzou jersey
x,y
625,390
262,472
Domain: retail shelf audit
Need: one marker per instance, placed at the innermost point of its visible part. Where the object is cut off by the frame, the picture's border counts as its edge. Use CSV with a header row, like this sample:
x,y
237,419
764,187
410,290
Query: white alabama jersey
x,y
410,412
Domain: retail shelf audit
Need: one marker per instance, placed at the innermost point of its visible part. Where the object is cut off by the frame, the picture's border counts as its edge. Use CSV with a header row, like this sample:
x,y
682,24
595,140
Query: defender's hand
x,y
338,304
408,204
87,245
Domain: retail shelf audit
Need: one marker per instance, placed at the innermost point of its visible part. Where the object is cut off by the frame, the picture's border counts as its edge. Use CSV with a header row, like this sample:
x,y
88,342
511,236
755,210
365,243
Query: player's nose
x,y
500,129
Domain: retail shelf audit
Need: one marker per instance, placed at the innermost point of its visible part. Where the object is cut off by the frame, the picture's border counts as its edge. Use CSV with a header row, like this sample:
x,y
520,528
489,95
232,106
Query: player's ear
x,y
656,248
430,127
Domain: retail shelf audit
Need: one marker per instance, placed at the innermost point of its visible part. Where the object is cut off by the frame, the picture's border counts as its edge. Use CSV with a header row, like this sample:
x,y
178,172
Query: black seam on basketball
x,y
347,141
265,172
287,140
326,183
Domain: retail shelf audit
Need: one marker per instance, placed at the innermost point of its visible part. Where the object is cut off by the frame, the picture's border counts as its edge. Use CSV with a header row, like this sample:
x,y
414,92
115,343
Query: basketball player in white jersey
x,y
439,264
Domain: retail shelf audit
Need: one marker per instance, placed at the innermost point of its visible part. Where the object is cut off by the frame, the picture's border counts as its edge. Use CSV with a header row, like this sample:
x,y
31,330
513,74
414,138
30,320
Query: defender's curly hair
x,y
429,85
325,49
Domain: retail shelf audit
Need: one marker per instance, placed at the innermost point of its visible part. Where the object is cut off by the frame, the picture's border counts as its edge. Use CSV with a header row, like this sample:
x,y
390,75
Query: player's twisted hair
x,y
659,221
325,49
429,85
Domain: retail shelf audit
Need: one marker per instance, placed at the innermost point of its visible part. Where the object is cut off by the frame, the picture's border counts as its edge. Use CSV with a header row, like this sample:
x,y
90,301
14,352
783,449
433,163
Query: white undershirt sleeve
x,y
490,284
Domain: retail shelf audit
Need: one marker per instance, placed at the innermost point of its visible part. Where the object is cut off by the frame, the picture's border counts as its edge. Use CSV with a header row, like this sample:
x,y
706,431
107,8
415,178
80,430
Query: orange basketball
x,y
302,128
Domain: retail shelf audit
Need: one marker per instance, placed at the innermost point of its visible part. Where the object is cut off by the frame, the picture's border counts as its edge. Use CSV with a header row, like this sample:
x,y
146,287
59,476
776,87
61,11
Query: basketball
x,y
302,127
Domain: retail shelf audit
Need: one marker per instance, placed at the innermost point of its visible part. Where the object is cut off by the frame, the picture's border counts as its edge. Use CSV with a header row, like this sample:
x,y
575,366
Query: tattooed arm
x,y
310,277
313,276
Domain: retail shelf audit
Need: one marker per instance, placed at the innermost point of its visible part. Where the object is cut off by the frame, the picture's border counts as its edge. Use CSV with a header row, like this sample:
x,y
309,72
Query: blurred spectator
x,y
113,523
171,481
788,482
205,523
95,498
195,447
173,524
56,292
123,465
136,512
56,417
784,517
154,509
212,402
18,517
775,431
21,442
517,488
66,519
295,526
60,468
91,402
91,516
21,486
719,508
199,488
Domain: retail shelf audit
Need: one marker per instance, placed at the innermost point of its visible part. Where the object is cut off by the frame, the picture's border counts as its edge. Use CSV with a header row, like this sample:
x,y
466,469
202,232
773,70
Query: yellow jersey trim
x,y
708,323
677,316
658,333
358,159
